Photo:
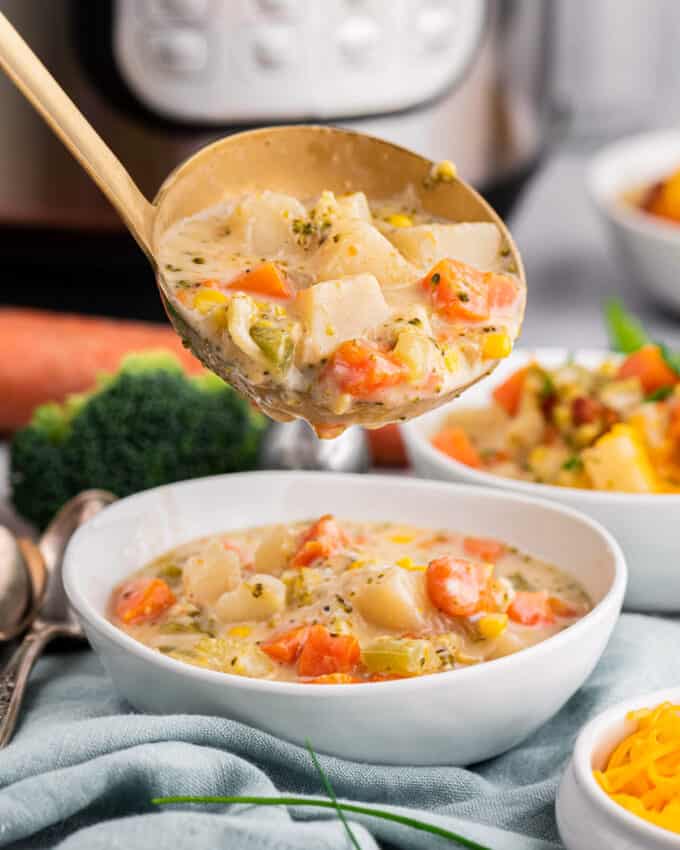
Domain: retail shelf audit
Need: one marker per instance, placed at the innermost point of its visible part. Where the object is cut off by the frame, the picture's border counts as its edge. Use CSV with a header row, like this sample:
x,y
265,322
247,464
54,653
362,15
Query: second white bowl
x,y
647,248
458,717
646,526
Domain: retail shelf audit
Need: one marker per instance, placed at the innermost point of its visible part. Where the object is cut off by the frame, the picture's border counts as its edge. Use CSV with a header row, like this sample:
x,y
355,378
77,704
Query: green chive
x,y
431,828
331,793
659,395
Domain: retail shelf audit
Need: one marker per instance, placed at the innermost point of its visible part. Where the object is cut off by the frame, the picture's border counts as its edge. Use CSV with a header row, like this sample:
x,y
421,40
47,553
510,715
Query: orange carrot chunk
x,y
287,646
457,290
649,366
321,540
361,369
502,291
455,443
565,609
461,291
484,548
324,653
265,279
456,586
142,600
509,393
531,608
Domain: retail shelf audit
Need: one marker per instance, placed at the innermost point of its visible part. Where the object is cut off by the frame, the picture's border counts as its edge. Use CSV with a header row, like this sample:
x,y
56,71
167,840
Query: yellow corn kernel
x,y
362,562
444,171
207,299
496,346
492,625
407,563
240,631
400,220
402,538
330,330
220,317
451,358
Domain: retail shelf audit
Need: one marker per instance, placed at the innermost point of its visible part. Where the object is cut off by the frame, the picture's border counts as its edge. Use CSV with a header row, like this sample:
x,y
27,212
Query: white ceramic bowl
x,y
646,526
586,817
647,248
458,717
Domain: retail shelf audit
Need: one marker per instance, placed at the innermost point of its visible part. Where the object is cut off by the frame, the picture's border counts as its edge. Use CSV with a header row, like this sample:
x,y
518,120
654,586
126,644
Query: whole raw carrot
x,y
45,356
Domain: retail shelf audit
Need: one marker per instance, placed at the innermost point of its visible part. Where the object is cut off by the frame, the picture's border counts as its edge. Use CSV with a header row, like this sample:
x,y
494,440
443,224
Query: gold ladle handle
x,y
39,87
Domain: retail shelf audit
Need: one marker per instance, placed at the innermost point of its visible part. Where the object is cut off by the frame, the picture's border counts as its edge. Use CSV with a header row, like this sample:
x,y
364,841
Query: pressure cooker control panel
x,y
248,61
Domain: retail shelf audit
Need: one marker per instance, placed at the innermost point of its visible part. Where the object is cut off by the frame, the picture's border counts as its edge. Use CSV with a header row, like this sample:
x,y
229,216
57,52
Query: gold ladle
x,y
297,160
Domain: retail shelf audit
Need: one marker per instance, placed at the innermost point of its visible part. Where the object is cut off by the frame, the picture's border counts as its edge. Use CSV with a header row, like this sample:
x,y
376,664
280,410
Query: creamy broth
x,y
343,309
338,602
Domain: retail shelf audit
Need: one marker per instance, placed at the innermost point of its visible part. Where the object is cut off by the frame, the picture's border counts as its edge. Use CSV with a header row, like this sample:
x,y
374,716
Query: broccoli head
x,y
145,425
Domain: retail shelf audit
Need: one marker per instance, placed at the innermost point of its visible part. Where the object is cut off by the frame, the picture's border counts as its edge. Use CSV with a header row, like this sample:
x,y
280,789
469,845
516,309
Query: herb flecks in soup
x,y
342,309
340,602
613,428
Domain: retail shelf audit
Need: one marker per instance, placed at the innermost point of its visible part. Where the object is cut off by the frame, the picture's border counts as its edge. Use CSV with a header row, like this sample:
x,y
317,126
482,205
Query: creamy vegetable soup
x,y
616,427
334,602
341,309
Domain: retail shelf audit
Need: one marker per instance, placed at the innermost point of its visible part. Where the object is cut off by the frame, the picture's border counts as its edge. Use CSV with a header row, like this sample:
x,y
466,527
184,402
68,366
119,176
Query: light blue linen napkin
x,y
83,767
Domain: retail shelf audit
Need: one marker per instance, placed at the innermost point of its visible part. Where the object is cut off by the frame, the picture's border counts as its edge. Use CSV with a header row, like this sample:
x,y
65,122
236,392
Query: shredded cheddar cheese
x,y
643,772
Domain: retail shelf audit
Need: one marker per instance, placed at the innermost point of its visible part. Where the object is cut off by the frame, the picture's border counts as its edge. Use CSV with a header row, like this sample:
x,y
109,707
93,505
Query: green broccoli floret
x,y
148,424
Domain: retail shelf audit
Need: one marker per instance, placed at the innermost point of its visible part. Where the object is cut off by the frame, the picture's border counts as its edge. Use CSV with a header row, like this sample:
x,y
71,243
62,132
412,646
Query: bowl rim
x,y
416,440
99,622
583,772
606,201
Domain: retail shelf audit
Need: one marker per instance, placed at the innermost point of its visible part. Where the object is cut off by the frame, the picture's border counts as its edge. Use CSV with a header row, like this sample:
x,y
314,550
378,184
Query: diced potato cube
x,y
619,461
418,352
354,205
622,396
264,222
361,248
527,427
206,578
337,310
255,599
476,243
275,551
394,601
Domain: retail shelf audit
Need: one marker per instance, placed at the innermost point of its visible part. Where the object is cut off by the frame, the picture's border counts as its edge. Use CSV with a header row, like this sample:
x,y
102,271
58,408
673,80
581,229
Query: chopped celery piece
x,y
227,656
178,628
302,584
275,343
399,655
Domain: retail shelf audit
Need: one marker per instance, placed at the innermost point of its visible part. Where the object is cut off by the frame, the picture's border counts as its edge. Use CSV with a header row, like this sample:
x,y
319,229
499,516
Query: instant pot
x,y
467,80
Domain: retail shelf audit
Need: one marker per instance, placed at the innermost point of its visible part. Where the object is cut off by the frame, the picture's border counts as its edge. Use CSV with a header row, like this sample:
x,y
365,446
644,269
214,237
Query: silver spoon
x,y
54,618
22,583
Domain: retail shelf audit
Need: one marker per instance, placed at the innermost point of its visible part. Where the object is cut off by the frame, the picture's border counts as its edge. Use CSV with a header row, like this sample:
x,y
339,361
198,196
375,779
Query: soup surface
x,y
616,427
334,601
342,309
660,199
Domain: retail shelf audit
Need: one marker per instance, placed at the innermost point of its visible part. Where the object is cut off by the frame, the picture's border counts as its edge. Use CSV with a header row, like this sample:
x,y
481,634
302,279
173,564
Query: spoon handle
x,y
40,88
14,677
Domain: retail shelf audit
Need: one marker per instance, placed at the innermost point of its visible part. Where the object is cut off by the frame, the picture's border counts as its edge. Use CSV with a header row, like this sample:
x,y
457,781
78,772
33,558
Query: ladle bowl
x,y
299,160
